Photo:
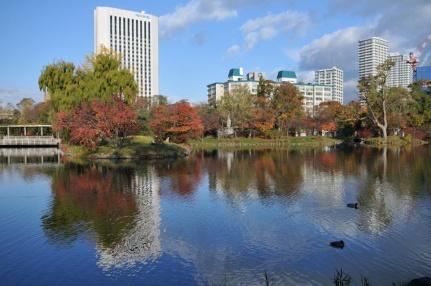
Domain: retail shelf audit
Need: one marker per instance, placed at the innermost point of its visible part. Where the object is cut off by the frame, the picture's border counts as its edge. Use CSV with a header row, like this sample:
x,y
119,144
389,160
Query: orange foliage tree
x,y
90,124
178,122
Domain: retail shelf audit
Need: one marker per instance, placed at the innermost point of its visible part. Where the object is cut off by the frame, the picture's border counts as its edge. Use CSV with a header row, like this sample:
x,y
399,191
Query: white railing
x,y
29,141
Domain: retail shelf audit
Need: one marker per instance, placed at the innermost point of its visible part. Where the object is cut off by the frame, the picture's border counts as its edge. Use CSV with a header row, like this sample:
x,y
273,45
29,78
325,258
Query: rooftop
x,y
286,74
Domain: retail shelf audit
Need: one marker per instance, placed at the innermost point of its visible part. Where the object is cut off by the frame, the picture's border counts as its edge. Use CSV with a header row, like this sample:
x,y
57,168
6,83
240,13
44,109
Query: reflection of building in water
x,y
322,185
384,203
142,242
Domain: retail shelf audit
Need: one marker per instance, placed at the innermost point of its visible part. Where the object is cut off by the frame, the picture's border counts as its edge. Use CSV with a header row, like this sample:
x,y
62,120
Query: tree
x,y
25,107
326,115
263,118
95,122
210,117
56,77
374,92
288,107
101,77
265,90
179,122
422,105
237,106
400,106
349,118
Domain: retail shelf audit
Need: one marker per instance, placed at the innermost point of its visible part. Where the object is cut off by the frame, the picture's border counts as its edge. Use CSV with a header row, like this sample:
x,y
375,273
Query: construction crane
x,y
413,58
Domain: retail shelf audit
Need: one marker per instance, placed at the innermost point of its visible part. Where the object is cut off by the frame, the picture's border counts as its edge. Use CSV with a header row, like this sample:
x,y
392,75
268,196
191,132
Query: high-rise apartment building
x,y
401,75
372,52
135,37
333,77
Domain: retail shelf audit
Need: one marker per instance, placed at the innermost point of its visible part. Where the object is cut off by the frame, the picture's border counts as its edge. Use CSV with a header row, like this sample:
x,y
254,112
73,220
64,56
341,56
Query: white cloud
x,y
339,48
268,27
203,10
233,50
194,11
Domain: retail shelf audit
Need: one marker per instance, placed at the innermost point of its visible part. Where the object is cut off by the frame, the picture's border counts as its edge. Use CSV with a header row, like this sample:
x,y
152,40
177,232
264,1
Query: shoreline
x,y
143,148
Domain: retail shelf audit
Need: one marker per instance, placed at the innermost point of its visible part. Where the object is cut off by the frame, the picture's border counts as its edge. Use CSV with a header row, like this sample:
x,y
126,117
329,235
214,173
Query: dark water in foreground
x,y
217,218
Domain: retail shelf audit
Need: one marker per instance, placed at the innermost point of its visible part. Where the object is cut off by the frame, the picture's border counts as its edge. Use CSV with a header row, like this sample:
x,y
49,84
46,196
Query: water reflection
x,y
237,214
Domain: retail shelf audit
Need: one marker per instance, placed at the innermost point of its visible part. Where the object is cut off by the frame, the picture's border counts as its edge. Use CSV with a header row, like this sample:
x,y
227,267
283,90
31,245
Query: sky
x,y
200,40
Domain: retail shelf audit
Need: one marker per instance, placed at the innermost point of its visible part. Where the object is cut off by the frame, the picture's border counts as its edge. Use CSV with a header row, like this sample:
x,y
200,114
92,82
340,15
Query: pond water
x,y
216,218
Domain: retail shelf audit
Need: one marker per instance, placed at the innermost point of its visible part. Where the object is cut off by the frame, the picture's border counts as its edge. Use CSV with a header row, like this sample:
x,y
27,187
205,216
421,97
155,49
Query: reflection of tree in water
x,y
92,198
266,173
395,180
183,175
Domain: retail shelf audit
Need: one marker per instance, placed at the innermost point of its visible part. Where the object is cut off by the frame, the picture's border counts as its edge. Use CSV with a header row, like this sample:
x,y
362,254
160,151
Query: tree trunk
x,y
385,134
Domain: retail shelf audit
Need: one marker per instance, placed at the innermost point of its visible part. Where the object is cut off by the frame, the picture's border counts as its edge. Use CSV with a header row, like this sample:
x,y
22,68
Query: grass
x,y
136,147
340,278
283,142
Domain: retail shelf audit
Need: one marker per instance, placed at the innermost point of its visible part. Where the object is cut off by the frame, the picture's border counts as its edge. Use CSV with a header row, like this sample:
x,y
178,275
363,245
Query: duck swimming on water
x,y
337,244
353,206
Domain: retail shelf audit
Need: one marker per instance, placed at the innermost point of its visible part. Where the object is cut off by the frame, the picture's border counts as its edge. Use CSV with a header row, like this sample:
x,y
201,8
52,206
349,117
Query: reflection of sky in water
x,y
226,217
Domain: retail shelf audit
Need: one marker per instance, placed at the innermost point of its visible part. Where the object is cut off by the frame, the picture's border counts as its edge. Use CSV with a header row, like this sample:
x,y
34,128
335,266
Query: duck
x,y
353,206
337,244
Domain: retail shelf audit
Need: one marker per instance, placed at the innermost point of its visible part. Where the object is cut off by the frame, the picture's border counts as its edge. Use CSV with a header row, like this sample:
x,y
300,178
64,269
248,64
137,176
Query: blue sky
x,y
201,39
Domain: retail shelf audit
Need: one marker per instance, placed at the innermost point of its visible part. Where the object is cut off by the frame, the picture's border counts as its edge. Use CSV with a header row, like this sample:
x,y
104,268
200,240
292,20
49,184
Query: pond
x,y
216,218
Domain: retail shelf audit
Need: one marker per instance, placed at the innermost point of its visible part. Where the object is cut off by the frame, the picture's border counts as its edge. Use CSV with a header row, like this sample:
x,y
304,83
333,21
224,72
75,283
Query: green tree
x,y
237,105
288,107
349,118
101,77
374,92
265,90
25,107
422,105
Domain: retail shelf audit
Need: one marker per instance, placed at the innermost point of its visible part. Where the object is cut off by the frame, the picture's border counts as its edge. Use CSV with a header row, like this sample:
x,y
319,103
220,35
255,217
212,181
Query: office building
x,y
401,75
333,77
134,36
423,73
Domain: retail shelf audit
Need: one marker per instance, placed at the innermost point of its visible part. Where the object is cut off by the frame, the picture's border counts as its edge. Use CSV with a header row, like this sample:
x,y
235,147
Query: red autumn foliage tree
x,y
179,122
91,124
326,115
210,117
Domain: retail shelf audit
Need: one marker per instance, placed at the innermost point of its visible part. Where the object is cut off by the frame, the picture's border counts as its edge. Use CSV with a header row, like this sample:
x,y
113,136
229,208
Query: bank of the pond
x,y
393,141
137,147
247,143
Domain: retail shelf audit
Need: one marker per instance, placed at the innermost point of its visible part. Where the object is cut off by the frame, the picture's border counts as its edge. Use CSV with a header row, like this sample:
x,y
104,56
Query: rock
x,y
423,281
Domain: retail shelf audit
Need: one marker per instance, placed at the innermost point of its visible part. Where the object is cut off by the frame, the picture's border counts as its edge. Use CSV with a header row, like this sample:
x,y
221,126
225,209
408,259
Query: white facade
x,y
314,94
333,77
401,75
135,36
217,90
372,52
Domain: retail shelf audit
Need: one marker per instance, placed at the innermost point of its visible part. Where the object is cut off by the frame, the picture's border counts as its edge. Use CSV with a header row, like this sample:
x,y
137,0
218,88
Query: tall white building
x,y
401,75
372,52
333,77
135,36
